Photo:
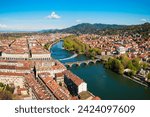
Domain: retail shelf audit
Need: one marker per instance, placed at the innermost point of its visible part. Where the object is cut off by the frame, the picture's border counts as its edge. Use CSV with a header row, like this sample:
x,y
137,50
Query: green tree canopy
x,y
124,60
136,63
117,66
148,76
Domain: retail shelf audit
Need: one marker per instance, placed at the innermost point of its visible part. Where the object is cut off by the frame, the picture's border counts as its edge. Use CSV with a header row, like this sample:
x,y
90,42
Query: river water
x,y
101,82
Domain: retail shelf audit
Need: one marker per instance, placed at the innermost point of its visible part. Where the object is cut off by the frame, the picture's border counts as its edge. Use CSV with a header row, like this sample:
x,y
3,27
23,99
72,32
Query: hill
x,y
106,29
86,28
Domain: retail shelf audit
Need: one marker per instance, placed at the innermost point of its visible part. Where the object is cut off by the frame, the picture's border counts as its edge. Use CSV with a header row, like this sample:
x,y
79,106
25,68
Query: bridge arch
x,y
75,64
68,65
93,62
97,61
83,63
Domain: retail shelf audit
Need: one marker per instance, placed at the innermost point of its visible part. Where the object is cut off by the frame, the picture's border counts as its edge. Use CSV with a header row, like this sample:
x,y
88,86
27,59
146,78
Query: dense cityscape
x,y
29,71
75,50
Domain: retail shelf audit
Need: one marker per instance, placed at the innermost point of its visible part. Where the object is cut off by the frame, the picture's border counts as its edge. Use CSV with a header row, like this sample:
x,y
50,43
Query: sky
x,y
33,15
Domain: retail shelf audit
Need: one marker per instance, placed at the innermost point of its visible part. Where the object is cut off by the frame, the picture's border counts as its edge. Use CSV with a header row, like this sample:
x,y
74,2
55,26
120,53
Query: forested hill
x,y
106,29
87,28
90,28
133,30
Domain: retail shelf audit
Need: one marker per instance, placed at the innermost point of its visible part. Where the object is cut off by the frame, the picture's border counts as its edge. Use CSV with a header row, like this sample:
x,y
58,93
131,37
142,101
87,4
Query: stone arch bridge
x,y
78,63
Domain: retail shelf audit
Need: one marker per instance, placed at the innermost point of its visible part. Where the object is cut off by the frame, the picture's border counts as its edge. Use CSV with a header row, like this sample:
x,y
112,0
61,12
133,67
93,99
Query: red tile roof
x,y
73,77
59,93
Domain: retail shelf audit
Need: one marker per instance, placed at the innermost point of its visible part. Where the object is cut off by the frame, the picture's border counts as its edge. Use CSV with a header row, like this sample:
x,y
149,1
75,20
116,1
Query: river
x,y
101,82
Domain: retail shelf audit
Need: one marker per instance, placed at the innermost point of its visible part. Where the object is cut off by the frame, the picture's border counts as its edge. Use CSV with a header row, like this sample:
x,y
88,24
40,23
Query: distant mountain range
x,y
105,29
86,28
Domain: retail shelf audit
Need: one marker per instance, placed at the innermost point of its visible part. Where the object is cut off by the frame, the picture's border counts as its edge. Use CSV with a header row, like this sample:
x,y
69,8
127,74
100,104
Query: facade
x,y
74,83
82,87
15,56
14,67
41,56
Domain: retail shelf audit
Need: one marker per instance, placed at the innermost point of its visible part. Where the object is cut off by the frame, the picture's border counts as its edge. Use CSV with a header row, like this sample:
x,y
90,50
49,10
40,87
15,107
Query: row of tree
x,y
71,43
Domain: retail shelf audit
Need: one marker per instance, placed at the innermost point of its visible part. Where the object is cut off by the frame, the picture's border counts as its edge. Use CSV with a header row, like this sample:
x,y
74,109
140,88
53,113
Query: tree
x,y
124,60
130,66
148,76
108,64
136,63
144,65
97,50
87,47
93,53
5,95
117,66
1,84
10,89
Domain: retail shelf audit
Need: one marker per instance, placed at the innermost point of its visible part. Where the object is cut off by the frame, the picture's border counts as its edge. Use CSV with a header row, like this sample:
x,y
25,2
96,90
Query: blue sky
x,y
52,14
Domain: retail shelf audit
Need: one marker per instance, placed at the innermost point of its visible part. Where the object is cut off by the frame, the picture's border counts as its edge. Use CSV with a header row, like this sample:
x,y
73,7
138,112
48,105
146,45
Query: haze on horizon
x,y
33,15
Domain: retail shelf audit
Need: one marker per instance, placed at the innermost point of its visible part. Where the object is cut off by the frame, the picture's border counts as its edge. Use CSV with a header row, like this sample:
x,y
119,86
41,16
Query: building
x,y
7,66
121,50
37,51
18,49
74,83
37,90
55,89
44,66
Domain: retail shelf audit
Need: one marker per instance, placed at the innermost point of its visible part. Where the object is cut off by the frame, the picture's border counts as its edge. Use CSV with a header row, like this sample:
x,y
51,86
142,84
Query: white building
x,y
15,56
41,56
75,84
121,50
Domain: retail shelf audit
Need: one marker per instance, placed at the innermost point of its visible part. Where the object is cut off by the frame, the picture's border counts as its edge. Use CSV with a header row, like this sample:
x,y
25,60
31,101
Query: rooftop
x,y
73,77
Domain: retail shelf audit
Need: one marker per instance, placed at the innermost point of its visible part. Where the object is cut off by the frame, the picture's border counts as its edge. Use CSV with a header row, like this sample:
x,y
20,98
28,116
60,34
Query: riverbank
x,y
71,43
137,80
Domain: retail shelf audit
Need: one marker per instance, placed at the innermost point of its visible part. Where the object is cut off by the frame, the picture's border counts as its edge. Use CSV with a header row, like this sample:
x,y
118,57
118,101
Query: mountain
x,y
106,29
90,28
86,28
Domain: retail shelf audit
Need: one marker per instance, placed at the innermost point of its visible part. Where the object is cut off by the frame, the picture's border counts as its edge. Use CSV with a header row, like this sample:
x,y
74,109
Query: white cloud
x,y
53,15
3,26
144,20
78,20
